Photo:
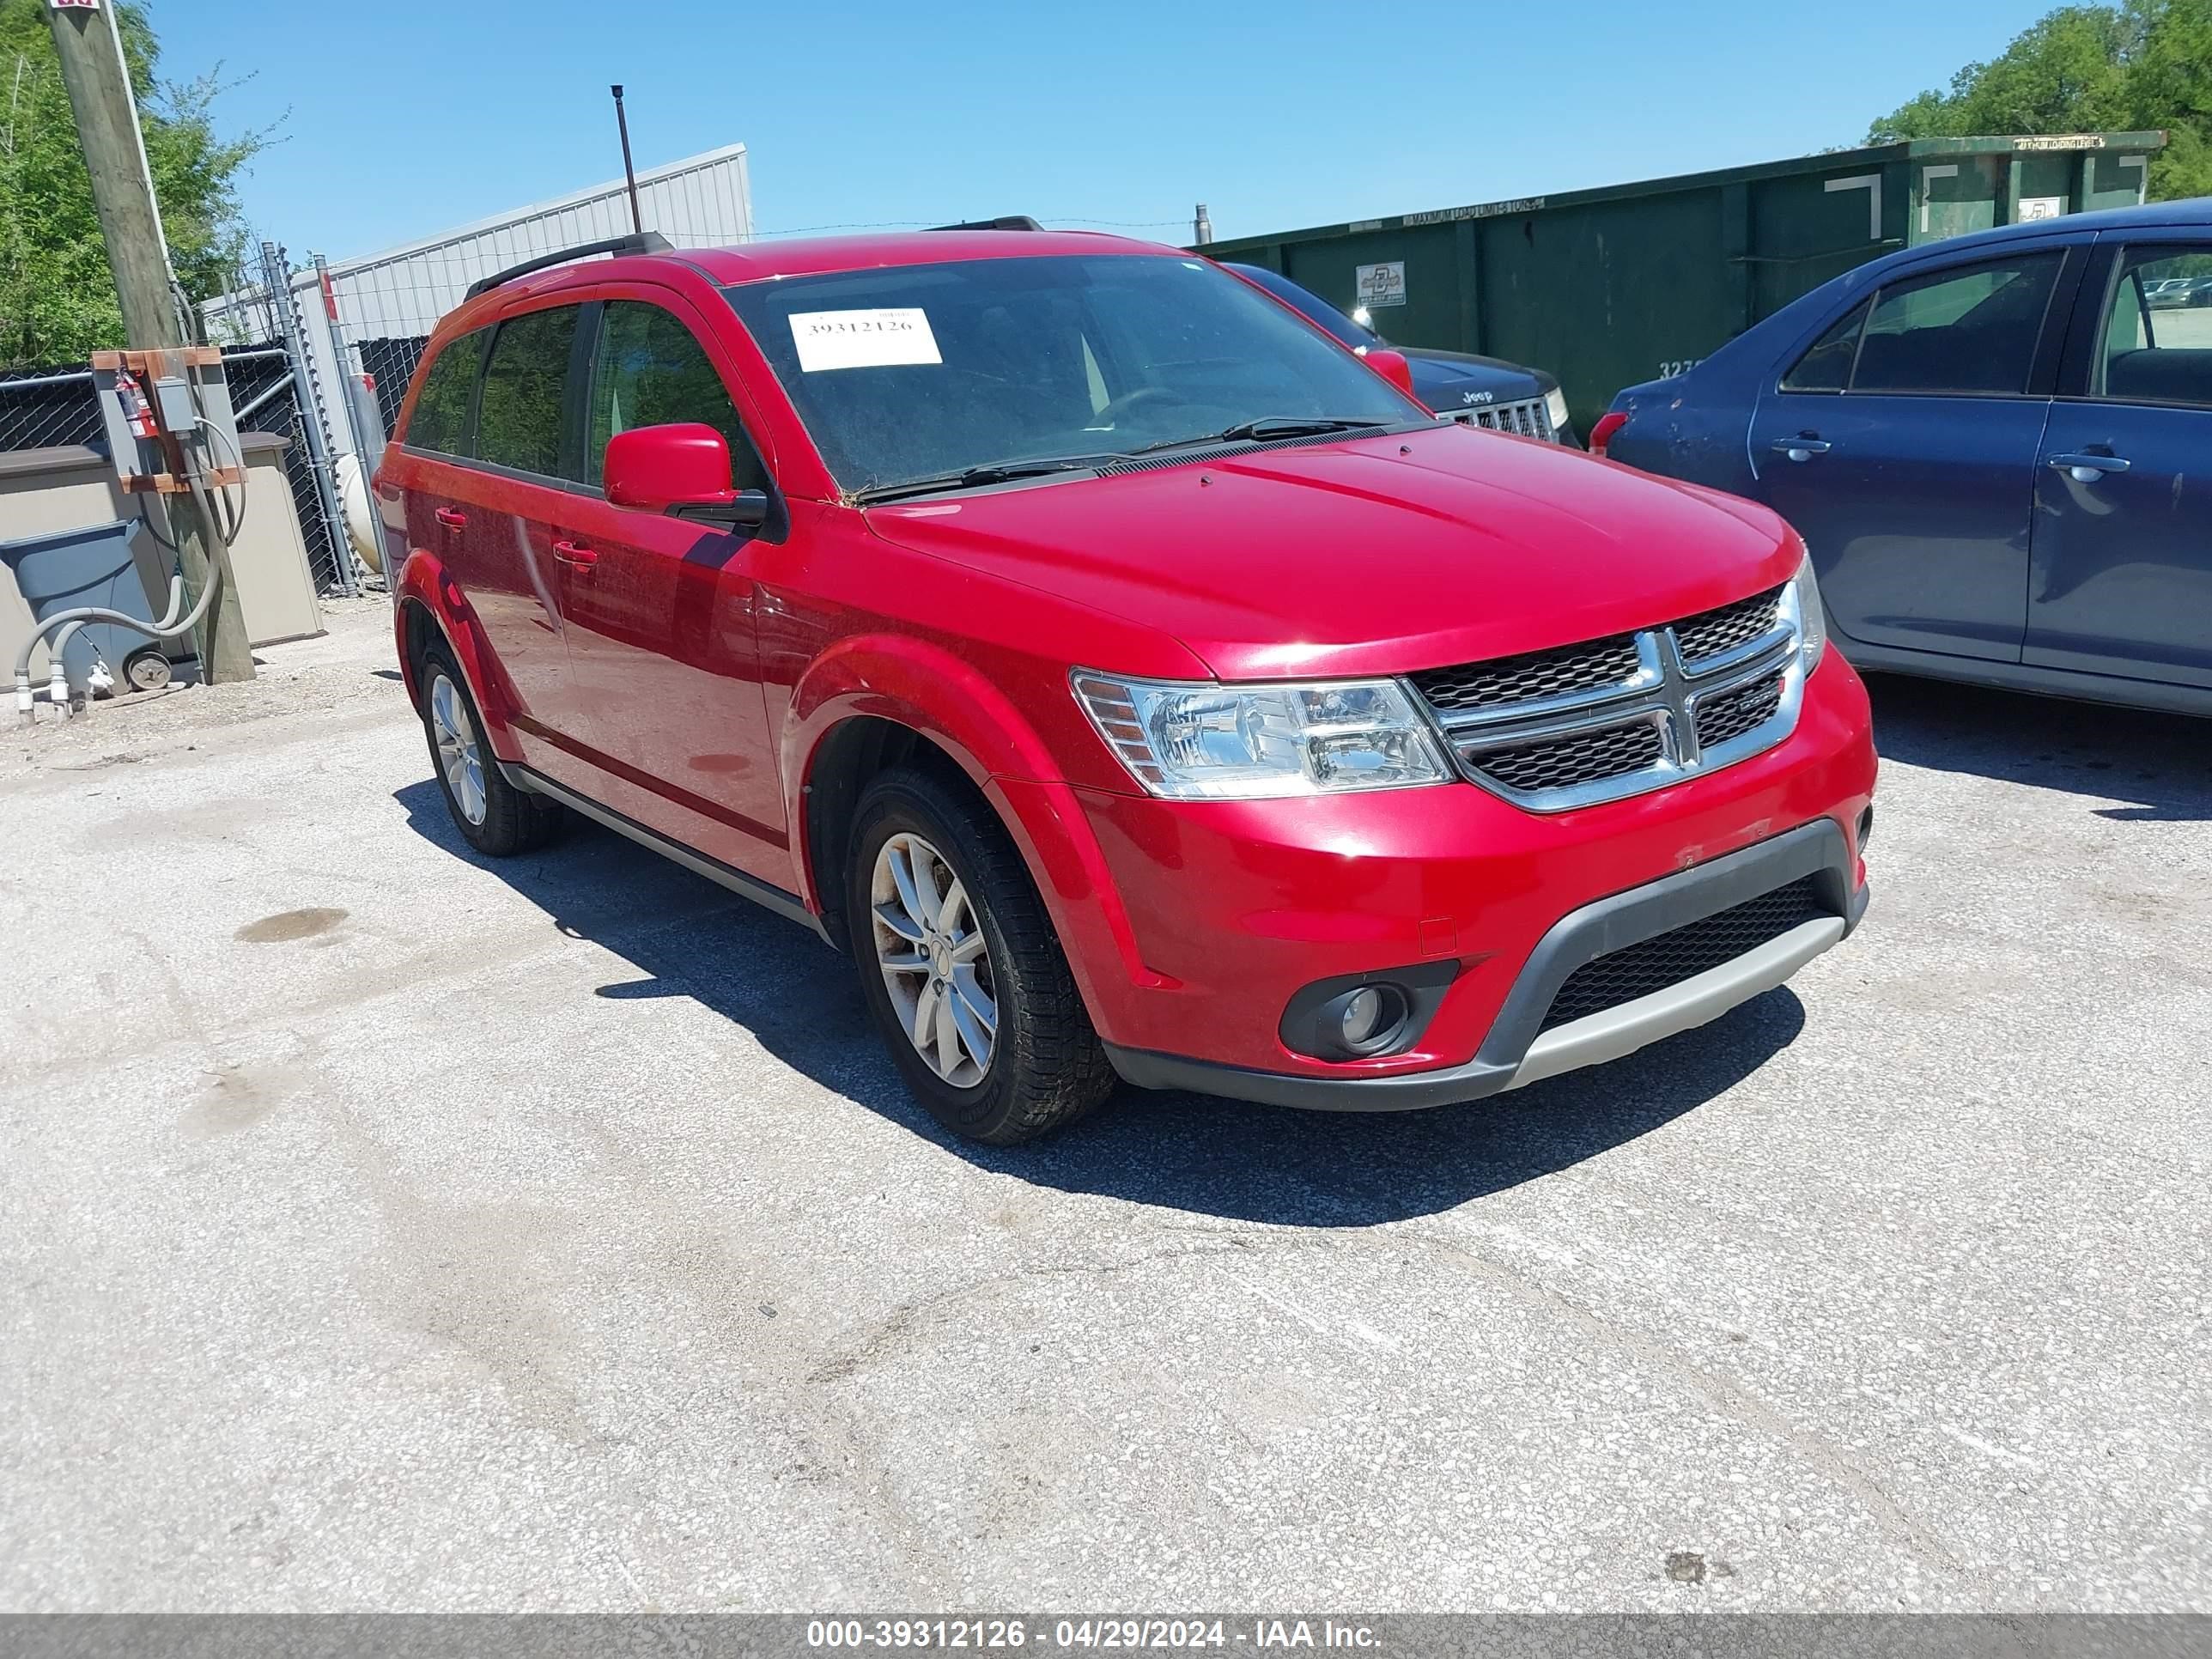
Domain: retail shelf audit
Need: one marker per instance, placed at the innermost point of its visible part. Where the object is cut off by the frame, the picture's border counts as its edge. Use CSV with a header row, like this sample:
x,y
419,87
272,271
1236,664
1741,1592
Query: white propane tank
x,y
360,521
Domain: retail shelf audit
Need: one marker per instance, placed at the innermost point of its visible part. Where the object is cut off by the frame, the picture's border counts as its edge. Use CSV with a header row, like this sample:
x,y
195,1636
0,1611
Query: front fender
x,y
929,689
424,580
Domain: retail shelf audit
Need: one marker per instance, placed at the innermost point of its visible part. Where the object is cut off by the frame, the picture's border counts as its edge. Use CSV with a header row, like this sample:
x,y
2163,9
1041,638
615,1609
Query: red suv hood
x,y
1376,555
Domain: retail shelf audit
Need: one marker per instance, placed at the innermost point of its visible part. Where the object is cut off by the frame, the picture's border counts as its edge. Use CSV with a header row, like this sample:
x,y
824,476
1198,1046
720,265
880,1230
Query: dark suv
x,y
1460,386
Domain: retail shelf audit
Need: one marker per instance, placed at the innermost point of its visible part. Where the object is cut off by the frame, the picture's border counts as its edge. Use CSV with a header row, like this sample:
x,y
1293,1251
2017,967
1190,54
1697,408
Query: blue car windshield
x,y
906,373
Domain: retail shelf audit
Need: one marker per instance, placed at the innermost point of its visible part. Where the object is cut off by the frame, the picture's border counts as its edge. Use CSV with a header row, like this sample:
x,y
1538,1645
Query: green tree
x,y
2171,77
2140,65
57,298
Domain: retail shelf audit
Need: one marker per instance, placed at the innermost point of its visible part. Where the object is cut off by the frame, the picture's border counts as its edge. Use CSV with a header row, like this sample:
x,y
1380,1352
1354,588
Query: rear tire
x,y
975,964
492,816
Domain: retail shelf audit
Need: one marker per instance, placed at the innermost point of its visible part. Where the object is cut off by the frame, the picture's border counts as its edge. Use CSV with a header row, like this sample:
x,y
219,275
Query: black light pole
x,y
629,172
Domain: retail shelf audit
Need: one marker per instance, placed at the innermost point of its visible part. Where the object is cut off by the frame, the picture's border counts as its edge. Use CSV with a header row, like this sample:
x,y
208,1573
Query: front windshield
x,y
1312,306
908,372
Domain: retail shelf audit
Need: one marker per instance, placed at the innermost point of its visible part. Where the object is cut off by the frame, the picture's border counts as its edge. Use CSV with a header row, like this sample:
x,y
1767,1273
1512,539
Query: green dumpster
x,y
1605,288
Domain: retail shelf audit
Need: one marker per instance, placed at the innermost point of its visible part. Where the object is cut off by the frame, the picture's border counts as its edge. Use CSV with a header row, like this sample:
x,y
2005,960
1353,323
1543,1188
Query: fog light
x,y
1361,1020
1866,828
1362,1017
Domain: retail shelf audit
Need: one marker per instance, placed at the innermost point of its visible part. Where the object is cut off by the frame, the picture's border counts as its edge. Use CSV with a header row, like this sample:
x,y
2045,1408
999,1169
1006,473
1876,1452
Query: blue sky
x,y
409,115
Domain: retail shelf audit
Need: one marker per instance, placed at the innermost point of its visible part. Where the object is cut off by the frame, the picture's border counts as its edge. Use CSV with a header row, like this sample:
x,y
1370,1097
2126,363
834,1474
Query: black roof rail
x,y
644,242
1010,222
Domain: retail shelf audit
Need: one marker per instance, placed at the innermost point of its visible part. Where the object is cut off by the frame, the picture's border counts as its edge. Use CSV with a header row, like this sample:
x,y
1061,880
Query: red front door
x,y
663,652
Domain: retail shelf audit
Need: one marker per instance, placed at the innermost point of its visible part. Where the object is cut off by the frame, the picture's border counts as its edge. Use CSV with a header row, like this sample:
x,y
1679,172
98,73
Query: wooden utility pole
x,y
87,44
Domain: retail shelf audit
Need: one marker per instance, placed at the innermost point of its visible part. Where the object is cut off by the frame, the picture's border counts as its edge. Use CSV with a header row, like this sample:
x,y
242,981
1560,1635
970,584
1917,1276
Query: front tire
x,y
492,816
961,968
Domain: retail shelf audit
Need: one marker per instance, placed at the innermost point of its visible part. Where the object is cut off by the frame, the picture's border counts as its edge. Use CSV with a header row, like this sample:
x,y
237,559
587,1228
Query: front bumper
x,y
1222,912
1517,1051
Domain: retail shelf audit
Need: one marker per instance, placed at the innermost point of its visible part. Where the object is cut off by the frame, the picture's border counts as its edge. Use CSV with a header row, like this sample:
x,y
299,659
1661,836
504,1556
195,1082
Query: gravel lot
x,y
383,1228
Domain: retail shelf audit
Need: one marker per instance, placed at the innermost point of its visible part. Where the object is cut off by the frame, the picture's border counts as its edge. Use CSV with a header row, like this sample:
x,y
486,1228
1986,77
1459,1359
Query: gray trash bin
x,y
91,565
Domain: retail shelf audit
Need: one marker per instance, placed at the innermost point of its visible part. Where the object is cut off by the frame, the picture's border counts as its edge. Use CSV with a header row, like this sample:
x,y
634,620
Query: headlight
x,y
1811,620
1206,742
1555,407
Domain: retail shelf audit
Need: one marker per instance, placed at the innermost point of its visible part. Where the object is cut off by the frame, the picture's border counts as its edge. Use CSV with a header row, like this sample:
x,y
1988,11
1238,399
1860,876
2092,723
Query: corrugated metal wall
x,y
398,296
1606,288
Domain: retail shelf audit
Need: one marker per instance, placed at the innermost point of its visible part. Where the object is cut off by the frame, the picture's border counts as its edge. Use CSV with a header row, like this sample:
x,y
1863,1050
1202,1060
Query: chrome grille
x,y
1523,679
1528,418
1562,762
1614,717
1638,971
1724,717
1712,632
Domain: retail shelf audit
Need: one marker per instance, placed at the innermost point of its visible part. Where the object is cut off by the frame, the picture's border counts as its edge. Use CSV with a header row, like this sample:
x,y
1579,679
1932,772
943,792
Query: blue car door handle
x,y
1802,447
2087,469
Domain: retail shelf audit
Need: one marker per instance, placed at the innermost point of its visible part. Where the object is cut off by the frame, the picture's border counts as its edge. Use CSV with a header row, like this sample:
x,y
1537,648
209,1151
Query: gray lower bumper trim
x,y
1517,1051
1701,998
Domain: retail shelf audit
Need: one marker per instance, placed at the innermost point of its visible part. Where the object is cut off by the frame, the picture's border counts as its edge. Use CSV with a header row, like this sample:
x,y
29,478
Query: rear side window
x,y
519,416
1973,330
648,370
2156,344
441,420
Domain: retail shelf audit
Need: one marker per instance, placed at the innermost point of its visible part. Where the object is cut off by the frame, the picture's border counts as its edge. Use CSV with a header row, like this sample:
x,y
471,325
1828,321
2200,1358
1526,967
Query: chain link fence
x,y
390,363
49,408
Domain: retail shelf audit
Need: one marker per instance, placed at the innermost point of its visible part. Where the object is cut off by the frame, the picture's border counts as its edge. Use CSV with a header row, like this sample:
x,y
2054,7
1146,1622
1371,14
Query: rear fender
x,y
425,581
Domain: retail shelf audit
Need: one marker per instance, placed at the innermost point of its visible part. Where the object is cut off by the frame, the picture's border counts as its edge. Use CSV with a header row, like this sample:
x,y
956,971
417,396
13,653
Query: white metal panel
x,y
703,201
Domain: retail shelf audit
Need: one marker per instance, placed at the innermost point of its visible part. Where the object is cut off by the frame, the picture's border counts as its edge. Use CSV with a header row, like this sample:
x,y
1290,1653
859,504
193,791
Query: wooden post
x,y
106,113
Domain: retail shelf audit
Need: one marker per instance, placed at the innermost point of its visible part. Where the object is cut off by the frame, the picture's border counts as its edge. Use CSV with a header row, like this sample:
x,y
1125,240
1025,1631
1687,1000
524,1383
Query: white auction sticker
x,y
863,339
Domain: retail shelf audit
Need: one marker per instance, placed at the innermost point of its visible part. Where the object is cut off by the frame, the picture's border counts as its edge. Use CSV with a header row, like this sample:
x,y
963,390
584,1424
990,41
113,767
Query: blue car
x,y
1460,386
1998,449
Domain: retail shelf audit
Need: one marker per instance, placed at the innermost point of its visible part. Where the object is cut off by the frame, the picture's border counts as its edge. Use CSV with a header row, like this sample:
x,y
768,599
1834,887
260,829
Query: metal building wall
x,y
397,296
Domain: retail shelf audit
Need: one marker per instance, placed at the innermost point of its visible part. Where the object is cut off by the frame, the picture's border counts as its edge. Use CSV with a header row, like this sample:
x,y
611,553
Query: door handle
x,y
1802,447
575,554
452,517
2087,469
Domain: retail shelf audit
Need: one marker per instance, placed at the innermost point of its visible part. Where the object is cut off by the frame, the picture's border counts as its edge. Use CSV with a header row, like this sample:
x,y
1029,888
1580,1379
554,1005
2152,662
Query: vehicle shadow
x,y
2161,764
687,937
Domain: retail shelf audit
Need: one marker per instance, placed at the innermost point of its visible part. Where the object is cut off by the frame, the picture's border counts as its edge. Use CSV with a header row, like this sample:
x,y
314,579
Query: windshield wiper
x,y
974,477
1269,426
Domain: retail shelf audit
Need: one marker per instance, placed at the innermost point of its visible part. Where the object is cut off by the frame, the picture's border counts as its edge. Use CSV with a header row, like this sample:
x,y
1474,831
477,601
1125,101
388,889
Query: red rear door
x,y
496,518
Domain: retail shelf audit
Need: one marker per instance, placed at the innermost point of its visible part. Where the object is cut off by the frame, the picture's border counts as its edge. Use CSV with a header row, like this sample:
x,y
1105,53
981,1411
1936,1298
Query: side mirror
x,y
681,469
1393,366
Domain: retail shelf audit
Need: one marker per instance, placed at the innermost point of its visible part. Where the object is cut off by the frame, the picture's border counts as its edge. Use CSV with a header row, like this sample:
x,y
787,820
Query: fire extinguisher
x,y
137,413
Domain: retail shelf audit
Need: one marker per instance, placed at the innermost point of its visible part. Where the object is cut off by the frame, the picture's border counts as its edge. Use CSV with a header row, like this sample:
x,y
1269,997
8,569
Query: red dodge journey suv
x,y
1137,683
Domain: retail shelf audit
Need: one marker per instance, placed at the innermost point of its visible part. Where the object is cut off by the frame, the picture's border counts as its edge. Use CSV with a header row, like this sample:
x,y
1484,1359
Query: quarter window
x,y
519,416
2156,344
649,370
1828,365
441,420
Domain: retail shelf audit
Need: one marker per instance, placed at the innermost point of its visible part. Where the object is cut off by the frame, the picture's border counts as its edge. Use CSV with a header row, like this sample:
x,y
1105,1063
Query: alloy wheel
x,y
458,755
935,961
